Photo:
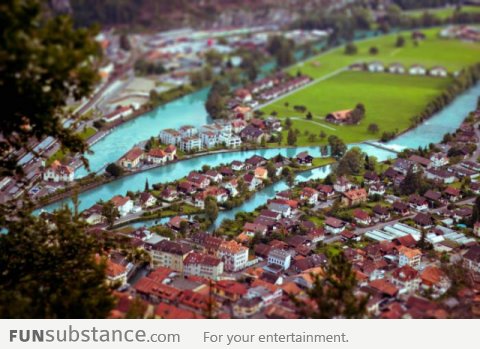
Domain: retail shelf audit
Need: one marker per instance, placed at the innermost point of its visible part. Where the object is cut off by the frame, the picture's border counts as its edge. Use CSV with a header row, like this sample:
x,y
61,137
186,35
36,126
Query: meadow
x,y
442,13
449,53
390,102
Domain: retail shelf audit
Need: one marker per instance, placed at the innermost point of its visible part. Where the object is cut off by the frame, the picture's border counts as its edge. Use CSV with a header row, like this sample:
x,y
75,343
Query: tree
x,y
373,50
309,116
373,128
351,49
44,62
49,269
333,293
412,183
337,147
147,186
110,212
352,163
215,100
400,41
288,123
114,170
291,137
211,208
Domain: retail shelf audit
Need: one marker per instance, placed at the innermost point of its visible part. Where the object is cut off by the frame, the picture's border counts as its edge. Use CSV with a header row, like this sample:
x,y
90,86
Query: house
x,y
340,116
309,195
376,189
171,152
57,172
433,278
147,200
375,67
361,217
334,225
190,144
261,173
252,134
476,229
384,287
401,208
403,166
304,158
342,184
214,176
406,278
471,259
370,178
273,124
396,68
417,69
237,165
381,213
198,180
169,254
325,192
243,95
420,160
433,197
440,175
251,181
116,273
423,220
169,194
132,158
409,256
93,215
256,229
280,257
256,161
439,160
234,255
354,197
170,136
280,207
187,188
203,265
438,71
418,202
118,113
452,194
157,156
123,203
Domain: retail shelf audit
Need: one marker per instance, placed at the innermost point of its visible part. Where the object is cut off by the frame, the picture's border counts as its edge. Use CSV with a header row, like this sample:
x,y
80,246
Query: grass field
x,y
390,101
442,13
452,54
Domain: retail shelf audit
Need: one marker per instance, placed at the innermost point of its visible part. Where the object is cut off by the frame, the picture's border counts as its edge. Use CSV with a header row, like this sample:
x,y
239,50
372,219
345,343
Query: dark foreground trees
x,y
51,269
48,269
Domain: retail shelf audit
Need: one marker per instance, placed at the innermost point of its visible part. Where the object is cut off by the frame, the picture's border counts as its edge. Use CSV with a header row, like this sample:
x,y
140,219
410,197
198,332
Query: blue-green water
x,y
180,169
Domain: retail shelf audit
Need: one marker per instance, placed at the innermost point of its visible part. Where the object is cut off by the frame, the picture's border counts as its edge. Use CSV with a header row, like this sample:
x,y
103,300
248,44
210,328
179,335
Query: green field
x,y
452,54
442,13
390,101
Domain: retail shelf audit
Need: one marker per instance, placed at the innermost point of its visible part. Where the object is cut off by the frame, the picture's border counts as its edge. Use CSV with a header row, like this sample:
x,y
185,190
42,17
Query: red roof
x,y
133,154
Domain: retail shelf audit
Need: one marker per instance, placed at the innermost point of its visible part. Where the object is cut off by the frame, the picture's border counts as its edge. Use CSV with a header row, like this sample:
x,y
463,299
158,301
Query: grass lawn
x,y
390,102
452,54
322,161
87,133
442,13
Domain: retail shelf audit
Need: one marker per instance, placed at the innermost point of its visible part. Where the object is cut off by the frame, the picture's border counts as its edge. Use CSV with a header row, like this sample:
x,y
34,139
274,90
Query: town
x,y
219,161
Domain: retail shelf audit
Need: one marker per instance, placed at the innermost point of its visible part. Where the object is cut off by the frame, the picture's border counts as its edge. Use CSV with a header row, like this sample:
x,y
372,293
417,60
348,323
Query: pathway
x,y
313,122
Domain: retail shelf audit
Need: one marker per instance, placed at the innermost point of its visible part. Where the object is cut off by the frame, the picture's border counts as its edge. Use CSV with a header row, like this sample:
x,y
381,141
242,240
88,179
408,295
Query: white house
x,y
123,204
190,144
58,173
234,255
280,257
170,136
439,160
417,69
157,156
438,71
396,68
375,67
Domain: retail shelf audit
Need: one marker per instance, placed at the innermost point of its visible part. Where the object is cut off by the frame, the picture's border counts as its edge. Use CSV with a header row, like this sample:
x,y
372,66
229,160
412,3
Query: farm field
x,y
443,13
390,102
450,53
